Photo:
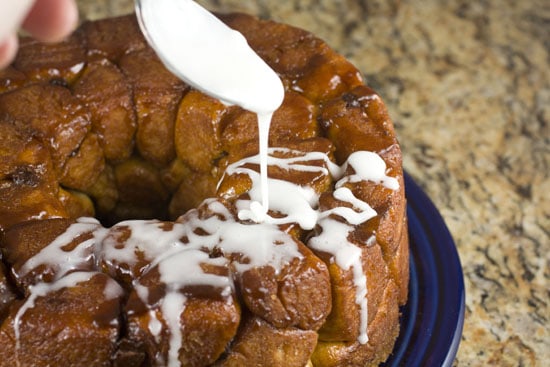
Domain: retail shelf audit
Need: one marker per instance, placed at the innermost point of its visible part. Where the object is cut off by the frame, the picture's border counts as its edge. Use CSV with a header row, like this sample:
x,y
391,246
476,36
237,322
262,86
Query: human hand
x,y
46,20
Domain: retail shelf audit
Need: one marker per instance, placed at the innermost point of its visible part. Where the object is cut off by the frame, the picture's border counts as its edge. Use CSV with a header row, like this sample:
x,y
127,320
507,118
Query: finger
x,y
51,20
8,49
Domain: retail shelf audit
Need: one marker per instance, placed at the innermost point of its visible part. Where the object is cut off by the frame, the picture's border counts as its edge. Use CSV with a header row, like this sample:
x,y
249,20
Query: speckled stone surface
x,y
468,86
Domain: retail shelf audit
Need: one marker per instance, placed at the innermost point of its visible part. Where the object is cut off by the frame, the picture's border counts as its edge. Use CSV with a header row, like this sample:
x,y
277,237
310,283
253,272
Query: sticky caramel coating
x,y
112,112
382,330
72,326
208,323
297,296
157,94
29,188
261,344
60,62
25,240
7,294
95,125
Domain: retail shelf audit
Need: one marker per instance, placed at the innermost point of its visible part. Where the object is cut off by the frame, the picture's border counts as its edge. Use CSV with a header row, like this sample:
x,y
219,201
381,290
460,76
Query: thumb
x,y
8,48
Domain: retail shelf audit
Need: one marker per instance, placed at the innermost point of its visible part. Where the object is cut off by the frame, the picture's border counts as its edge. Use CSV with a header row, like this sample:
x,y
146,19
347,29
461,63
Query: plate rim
x,y
436,288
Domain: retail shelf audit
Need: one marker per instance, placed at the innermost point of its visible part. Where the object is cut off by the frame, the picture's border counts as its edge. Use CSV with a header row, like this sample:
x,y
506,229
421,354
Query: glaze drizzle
x,y
180,250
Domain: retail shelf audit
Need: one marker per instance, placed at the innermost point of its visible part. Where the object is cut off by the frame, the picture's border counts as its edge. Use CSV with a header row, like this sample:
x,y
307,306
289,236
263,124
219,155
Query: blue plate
x,y
432,319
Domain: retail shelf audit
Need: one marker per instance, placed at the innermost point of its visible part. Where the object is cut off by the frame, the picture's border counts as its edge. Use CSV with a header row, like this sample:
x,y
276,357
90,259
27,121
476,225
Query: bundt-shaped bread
x,y
171,272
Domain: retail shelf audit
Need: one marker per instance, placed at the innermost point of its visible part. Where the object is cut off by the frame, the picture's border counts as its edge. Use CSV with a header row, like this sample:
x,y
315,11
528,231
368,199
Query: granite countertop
x,y
467,84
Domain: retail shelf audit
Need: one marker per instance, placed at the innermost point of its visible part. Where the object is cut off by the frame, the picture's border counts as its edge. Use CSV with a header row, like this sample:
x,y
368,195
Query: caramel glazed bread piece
x,y
95,126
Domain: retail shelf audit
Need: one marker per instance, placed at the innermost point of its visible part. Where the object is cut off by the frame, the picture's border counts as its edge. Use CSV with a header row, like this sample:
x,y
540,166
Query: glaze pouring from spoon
x,y
215,59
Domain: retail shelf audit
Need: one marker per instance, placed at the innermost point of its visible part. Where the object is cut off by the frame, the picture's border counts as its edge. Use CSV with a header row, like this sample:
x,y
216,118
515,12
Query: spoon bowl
x,y
208,55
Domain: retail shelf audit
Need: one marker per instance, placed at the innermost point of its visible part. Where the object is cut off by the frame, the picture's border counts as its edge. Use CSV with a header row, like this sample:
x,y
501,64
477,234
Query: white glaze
x,y
261,243
184,269
155,326
299,205
352,216
112,290
147,237
173,305
66,261
369,166
264,122
334,240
